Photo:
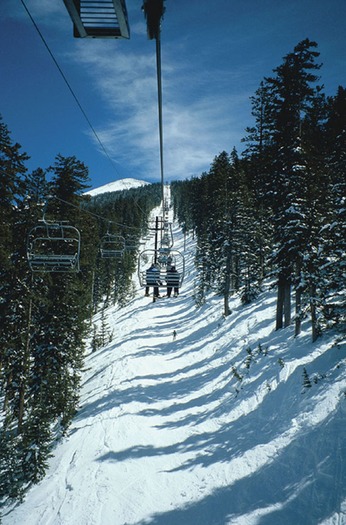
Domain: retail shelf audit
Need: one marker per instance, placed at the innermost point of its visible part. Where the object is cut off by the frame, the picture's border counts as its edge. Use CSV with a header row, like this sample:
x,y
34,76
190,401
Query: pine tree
x,y
12,315
334,269
311,209
69,180
293,94
36,186
306,379
12,169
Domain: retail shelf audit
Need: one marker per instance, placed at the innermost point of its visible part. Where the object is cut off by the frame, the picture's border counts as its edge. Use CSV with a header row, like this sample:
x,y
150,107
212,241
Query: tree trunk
x,y
314,322
226,310
298,319
280,304
227,284
26,365
298,316
236,272
6,397
287,302
283,304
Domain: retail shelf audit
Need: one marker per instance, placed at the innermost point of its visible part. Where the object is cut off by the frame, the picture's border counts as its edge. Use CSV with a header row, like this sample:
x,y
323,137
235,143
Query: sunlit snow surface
x,y
118,185
198,431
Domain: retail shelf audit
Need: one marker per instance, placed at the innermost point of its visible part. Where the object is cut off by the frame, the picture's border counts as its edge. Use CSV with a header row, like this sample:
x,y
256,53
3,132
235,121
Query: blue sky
x,y
214,55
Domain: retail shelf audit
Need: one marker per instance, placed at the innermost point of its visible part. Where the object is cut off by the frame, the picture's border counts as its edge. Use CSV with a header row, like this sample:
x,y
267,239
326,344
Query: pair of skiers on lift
x,y
153,280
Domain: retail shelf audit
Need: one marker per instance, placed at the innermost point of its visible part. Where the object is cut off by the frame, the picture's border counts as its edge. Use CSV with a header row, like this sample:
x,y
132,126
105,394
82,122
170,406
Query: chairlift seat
x,y
105,253
131,243
112,246
98,18
53,247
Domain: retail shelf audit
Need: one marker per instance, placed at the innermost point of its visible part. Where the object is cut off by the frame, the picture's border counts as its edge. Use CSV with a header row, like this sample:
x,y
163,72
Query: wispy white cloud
x,y
200,106
198,122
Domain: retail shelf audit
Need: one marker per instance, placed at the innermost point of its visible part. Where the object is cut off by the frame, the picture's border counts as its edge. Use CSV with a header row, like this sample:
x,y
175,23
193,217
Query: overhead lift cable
x,y
70,88
164,259
154,11
162,256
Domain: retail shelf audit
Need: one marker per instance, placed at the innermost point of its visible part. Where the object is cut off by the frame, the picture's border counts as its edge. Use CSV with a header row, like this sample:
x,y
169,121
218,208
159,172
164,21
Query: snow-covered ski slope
x,y
215,427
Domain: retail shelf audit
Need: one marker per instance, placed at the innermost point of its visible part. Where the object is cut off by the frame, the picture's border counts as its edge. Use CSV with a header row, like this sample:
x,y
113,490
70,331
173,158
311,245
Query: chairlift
x,y
112,246
131,243
53,247
98,18
167,240
164,257
164,260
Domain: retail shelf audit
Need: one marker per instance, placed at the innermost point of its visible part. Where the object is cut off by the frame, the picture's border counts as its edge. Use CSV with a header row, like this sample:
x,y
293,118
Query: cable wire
x,y
70,88
74,96
80,208
159,92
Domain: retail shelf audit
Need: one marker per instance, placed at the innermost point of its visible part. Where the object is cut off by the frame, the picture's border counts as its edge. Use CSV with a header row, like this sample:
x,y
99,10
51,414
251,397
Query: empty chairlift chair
x,y
167,235
112,246
53,247
131,243
98,18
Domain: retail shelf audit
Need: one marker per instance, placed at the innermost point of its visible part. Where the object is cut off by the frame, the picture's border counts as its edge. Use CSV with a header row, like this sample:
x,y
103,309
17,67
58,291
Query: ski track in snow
x,y
166,433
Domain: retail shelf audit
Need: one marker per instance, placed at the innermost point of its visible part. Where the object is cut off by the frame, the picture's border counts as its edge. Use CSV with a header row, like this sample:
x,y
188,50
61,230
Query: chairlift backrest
x,y
131,243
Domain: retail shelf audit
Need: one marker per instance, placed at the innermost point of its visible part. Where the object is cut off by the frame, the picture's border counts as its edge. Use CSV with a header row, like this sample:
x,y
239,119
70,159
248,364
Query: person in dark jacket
x,y
172,280
152,279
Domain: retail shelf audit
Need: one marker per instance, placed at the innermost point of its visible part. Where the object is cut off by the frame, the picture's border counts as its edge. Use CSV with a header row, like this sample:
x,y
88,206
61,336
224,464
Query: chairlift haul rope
x,y
154,10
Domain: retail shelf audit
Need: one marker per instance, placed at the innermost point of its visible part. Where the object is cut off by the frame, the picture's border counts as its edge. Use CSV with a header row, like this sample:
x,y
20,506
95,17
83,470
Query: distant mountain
x,y
118,185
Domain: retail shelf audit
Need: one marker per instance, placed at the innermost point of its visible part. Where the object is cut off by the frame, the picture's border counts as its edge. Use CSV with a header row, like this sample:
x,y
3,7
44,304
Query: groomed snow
x,y
168,434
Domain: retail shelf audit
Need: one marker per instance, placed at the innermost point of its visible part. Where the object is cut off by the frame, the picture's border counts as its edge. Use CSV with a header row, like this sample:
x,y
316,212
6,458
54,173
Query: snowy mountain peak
x,y
117,185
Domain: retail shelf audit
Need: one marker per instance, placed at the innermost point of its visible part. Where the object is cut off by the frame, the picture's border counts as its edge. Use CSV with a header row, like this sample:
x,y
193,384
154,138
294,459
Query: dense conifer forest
x,y
46,316
277,211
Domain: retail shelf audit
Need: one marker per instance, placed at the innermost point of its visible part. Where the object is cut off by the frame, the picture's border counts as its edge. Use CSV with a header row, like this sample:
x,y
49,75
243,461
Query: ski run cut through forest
x,y
226,421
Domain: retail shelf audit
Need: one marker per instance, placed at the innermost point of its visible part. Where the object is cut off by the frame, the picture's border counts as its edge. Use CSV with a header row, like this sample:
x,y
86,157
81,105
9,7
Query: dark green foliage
x,y
249,358
236,374
124,213
281,362
96,341
231,237
306,379
279,210
11,483
45,317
